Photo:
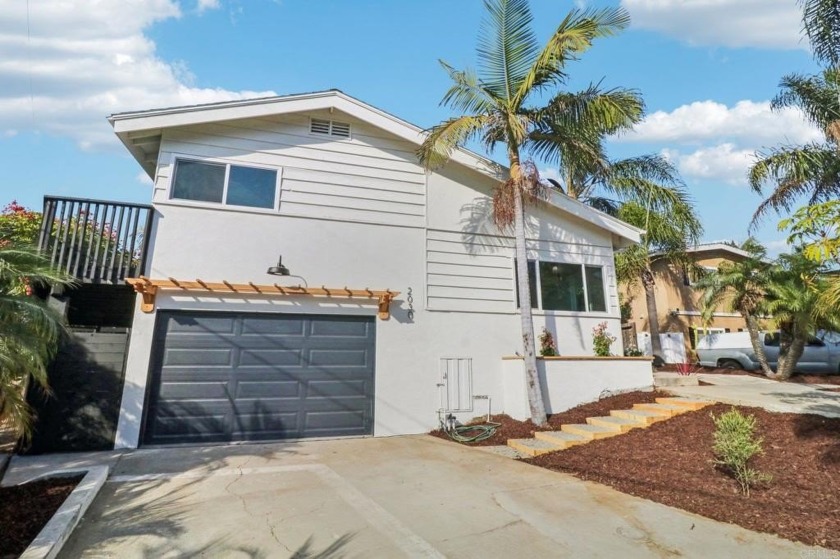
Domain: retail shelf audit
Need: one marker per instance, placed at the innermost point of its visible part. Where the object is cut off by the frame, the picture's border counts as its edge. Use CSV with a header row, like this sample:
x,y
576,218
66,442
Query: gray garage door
x,y
237,377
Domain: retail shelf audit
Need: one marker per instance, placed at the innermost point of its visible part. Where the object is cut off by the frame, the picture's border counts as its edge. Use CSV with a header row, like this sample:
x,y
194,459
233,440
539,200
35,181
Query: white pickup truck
x,y
734,351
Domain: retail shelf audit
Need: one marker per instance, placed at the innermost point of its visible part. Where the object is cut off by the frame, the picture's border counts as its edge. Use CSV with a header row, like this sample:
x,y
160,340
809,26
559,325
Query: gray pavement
x,y
746,390
387,497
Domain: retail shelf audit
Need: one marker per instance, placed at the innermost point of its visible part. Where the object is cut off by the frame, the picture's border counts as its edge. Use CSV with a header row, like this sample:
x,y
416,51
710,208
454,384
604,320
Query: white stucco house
x,y
399,304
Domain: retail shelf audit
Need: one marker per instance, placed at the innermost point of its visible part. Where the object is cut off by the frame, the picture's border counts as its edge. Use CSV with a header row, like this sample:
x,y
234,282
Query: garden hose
x,y
479,432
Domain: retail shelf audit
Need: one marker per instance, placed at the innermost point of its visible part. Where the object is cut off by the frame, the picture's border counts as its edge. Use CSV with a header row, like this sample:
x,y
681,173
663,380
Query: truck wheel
x,y
729,364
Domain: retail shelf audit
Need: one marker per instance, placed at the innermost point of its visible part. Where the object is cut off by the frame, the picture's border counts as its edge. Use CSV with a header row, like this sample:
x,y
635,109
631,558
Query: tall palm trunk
x,y
653,313
532,378
791,348
757,343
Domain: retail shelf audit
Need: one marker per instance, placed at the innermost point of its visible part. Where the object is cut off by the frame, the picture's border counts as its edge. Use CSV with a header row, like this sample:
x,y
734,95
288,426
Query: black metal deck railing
x,y
96,241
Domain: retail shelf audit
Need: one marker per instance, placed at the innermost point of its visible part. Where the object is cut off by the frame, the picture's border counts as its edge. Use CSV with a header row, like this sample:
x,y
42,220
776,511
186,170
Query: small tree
x,y
743,285
735,445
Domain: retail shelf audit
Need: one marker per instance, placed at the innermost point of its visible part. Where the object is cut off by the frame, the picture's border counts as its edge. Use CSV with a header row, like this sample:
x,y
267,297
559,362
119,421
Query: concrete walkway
x,y
746,390
388,497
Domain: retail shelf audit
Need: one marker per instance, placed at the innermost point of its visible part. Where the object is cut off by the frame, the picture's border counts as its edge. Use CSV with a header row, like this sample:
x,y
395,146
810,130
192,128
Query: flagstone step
x,y
561,438
615,423
692,405
533,447
666,409
590,432
640,416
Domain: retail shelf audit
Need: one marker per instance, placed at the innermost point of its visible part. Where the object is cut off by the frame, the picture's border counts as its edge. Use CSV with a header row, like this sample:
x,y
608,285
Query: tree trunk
x,y
791,347
757,344
653,313
532,379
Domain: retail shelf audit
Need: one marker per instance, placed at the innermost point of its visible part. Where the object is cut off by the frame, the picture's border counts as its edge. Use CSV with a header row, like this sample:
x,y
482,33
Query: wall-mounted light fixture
x,y
674,312
279,269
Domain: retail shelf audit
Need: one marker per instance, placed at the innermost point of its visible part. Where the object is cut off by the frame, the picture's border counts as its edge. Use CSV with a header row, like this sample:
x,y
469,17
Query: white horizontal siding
x,y
367,178
474,273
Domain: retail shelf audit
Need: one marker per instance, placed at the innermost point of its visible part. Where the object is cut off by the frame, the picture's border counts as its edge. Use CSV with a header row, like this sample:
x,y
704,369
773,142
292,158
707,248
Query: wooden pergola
x,y
149,289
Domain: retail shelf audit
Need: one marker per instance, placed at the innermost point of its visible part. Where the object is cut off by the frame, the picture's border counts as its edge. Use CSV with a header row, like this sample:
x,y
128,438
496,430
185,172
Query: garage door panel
x,y
268,389
201,325
208,357
270,357
194,391
338,328
270,326
262,377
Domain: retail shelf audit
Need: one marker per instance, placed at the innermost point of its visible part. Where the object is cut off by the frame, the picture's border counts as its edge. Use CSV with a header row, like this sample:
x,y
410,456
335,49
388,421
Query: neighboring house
x,y
222,350
679,304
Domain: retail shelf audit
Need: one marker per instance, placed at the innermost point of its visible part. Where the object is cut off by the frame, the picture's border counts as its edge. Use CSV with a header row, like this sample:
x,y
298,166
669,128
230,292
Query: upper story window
x,y
223,183
556,286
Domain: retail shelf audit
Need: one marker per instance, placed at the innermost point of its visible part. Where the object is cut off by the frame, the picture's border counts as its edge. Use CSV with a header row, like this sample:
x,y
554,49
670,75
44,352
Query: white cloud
x,y
749,122
731,23
204,5
85,60
144,179
723,162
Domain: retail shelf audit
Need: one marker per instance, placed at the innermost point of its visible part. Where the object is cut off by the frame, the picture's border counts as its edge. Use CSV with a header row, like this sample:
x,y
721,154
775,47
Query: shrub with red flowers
x,y
602,340
19,225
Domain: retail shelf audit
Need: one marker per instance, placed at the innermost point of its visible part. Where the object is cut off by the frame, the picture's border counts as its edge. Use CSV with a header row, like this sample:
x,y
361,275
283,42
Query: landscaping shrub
x,y
547,346
602,340
735,445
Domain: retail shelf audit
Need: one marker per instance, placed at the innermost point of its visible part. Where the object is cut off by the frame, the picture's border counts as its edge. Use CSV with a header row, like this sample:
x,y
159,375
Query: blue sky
x,y
707,69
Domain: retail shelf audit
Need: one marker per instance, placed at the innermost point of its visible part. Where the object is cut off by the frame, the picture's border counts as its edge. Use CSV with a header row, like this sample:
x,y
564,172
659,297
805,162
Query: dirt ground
x,y
25,509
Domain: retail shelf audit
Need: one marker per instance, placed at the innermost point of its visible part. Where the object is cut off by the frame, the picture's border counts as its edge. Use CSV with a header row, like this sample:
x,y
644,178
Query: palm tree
x,y
742,286
666,238
650,180
811,170
794,297
29,331
495,109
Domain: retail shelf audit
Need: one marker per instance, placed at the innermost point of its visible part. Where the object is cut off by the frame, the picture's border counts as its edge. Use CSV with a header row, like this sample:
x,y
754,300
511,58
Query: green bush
x,y
735,445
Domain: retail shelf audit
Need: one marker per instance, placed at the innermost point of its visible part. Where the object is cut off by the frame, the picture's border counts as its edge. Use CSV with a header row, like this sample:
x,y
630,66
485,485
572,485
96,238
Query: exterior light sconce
x,y
674,312
279,269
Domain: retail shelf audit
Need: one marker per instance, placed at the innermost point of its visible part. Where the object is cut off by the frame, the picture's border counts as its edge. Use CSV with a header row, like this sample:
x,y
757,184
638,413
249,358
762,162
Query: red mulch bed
x,y
670,463
25,509
513,429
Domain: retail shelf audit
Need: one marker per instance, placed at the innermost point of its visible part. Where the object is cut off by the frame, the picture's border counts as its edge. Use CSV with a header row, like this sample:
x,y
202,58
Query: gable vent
x,y
329,128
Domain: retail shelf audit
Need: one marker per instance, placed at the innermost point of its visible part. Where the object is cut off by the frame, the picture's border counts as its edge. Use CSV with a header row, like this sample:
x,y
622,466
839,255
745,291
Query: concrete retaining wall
x,y
570,381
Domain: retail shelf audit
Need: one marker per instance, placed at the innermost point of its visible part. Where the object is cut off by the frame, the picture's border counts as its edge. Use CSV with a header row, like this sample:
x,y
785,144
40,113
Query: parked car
x,y
734,351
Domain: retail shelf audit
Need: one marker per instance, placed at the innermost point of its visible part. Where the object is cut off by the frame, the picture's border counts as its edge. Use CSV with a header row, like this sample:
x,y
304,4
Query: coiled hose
x,y
473,433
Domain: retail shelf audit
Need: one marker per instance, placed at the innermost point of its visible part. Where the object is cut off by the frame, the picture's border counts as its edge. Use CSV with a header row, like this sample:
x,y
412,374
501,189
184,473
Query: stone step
x,y
665,409
532,447
617,424
560,438
643,417
587,431
692,405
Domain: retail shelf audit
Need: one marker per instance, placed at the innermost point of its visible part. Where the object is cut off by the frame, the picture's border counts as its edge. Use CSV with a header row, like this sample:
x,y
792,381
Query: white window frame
x,y
583,266
176,157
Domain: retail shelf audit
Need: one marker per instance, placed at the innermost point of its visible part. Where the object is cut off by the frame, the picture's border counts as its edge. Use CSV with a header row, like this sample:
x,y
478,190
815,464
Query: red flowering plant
x,y
547,346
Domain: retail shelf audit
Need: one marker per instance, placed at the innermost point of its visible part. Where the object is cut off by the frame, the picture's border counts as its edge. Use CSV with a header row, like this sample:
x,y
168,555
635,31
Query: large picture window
x,y
565,287
222,183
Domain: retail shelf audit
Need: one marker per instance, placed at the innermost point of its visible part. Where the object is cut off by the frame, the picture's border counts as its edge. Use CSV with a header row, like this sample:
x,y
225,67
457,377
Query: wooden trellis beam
x,y
149,289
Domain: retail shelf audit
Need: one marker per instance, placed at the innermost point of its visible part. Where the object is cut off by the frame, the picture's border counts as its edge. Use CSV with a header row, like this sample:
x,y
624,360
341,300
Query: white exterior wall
x,y
361,213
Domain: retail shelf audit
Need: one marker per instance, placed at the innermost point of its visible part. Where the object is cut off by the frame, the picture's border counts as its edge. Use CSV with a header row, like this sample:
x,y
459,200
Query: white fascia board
x,y
718,246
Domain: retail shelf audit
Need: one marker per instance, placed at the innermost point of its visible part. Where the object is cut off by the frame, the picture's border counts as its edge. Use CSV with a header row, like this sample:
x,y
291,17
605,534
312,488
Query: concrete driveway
x,y
388,497
746,390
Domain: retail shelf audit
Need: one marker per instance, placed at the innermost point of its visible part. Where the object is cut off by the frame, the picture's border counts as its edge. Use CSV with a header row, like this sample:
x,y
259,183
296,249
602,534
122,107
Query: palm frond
x,y
466,94
812,171
815,96
443,139
572,37
821,19
507,47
